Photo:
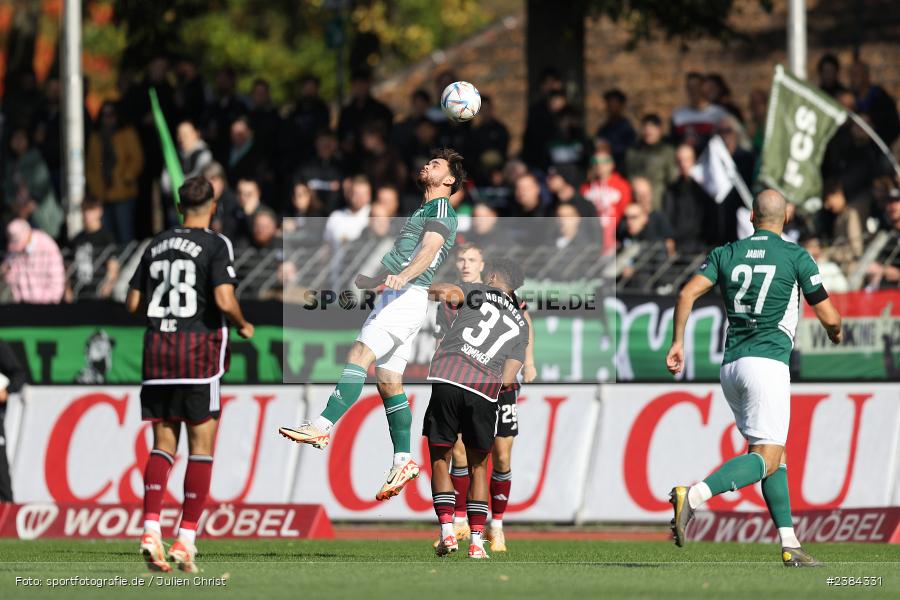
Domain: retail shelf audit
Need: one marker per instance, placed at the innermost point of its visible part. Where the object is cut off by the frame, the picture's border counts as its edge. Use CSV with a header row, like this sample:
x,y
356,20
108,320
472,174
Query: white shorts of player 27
x,y
393,324
758,391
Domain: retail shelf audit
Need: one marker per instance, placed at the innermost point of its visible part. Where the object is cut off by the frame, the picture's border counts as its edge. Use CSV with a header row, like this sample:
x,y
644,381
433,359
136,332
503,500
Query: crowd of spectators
x,y
275,169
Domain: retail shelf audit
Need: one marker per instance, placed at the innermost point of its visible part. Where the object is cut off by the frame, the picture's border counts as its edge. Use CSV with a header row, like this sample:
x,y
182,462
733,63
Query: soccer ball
x,y
460,101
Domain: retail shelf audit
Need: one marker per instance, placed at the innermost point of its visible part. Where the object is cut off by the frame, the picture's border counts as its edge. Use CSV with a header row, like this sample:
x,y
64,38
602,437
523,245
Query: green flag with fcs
x,y
170,154
800,121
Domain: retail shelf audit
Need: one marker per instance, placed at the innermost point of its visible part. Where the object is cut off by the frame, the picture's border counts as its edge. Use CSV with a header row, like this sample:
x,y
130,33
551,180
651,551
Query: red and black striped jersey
x,y
488,329
444,317
186,340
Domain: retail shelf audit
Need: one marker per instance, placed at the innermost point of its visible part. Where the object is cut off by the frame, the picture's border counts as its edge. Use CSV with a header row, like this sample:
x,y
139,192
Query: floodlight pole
x,y
73,116
796,42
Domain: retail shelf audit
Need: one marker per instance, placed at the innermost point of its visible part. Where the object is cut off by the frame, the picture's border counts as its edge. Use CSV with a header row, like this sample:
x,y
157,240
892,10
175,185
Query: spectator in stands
x,y
388,198
695,122
303,222
722,225
568,149
226,202
686,204
115,161
563,192
796,227
264,119
304,120
33,268
12,377
832,277
569,233
488,142
190,91
238,226
652,158
528,198
829,72
379,226
265,229
403,135
486,230
609,192
381,163
93,242
325,171
884,272
246,159
362,109
874,101
27,185
539,126
756,126
846,231
47,133
224,110
194,155
346,225
717,92
650,224
616,128
853,157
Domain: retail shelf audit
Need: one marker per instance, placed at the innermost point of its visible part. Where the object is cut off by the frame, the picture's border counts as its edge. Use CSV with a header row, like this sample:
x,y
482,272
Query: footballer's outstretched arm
x,y
228,304
446,292
696,287
431,245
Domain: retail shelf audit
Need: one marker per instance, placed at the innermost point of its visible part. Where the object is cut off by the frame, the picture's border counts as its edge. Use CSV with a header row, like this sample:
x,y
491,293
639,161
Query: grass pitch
x,y
557,570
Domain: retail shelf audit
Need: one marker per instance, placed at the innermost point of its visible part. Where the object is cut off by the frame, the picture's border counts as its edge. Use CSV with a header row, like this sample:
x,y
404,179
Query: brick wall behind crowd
x,y
653,74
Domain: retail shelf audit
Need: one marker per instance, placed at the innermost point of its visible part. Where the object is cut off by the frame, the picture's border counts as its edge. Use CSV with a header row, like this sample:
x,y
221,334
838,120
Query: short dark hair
x,y
195,192
832,185
422,94
90,202
466,246
828,59
651,118
694,75
508,270
615,94
455,162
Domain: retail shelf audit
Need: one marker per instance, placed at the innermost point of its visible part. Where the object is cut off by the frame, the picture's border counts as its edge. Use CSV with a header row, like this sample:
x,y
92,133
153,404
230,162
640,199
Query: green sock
x,y
345,393
399,419
738,472
775,491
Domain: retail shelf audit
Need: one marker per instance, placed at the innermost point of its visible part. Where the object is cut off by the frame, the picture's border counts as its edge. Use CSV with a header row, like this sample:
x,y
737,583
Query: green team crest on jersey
x,y
761,278
435,215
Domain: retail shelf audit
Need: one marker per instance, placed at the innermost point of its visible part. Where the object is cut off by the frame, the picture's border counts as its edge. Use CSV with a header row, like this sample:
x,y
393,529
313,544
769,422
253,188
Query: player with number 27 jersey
x,y
186,338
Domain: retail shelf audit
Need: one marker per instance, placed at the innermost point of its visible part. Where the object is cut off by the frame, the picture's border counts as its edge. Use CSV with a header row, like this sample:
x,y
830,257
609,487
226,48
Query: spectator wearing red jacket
x,y
609,192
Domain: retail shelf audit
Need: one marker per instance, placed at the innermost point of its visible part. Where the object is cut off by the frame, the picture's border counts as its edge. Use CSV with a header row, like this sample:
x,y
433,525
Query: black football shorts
x,y
508,413
192,403
452,411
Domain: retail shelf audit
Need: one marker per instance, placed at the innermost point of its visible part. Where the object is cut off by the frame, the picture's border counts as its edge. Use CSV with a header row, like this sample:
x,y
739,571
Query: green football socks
x,y
345,393
399,418
775,491
738,472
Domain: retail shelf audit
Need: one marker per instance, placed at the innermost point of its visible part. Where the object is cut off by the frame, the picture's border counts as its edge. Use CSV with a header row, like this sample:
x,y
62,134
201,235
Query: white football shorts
x,y
758,391
393,324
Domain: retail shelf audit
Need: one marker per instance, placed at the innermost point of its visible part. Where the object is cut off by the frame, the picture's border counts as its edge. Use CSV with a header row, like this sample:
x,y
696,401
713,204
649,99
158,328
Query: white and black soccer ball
x,y
460,101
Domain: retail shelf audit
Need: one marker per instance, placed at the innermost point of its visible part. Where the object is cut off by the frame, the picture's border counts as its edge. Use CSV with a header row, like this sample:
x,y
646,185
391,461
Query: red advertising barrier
x,y
872,525
225,521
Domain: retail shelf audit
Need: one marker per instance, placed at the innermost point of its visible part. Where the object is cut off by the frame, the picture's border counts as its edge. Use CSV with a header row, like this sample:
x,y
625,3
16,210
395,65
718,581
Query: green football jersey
x,y
436,215
760,278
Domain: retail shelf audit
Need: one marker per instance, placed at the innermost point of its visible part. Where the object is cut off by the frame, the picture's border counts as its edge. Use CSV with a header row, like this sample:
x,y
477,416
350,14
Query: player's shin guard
x,y
399,418
478,512
345,393
156,476
778,500
460,478
196,490
500,486
738,472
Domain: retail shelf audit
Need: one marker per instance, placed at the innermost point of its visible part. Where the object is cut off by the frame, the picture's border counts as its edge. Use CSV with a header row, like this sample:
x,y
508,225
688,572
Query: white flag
x,y
717,174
